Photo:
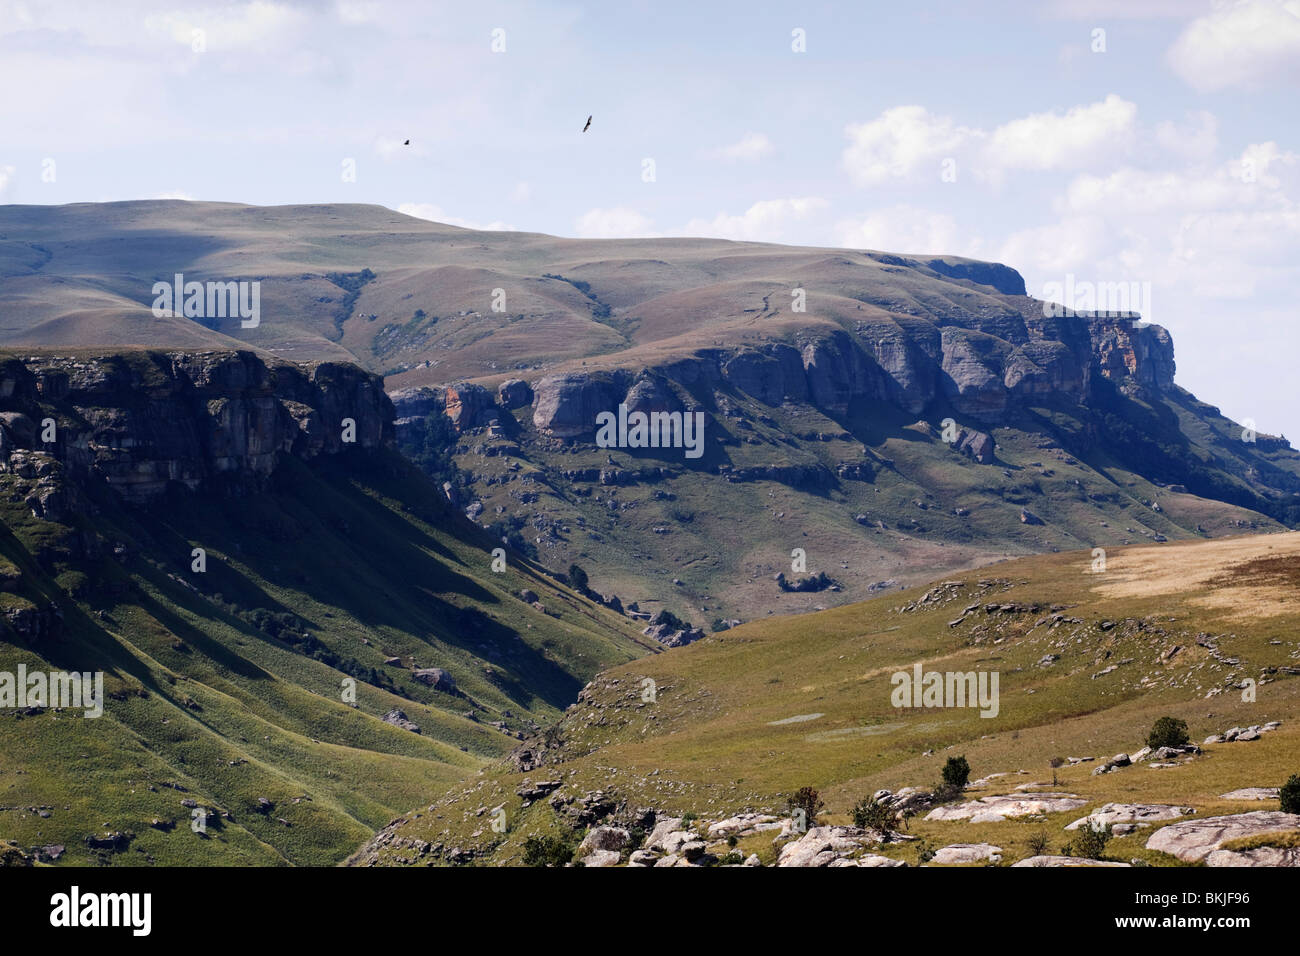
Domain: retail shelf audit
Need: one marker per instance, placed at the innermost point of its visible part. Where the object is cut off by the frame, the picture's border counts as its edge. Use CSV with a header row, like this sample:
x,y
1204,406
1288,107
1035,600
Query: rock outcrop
x,y
995,809
565,406
980,368
1194,840
143,420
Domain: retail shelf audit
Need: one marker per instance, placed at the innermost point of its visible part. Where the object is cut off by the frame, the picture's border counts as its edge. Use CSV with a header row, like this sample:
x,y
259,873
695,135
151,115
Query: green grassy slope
x,y
350,562
925,507
744,718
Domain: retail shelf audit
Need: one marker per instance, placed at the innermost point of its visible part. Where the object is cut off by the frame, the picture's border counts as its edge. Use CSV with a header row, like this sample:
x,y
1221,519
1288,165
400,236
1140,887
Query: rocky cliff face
x,y
143,420
918,366
1124,348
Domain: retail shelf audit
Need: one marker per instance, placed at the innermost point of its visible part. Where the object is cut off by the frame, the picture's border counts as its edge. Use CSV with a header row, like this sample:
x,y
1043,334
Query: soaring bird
x,y
588,126
407,143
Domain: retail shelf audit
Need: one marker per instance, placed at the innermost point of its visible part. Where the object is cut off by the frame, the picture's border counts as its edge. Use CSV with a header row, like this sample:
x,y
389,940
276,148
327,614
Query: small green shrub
x,y
956,772
1168,732
1290,795
810,802
1090,841
578,578
547,850
869,814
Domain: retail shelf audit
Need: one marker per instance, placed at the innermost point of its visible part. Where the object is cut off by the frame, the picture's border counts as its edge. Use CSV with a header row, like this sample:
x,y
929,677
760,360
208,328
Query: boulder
x,y
1194,840
1121,813
1066,861
692,850
867,859
978,445
604,838
669,837
968,853
651,394
820,846
565,406
468,406
398,719
1252,793
998,808
514,393
1259,856
744,824
601,858
435,677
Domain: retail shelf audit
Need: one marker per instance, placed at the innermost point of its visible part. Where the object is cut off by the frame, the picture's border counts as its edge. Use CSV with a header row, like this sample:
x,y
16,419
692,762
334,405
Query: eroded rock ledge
x,y
143,420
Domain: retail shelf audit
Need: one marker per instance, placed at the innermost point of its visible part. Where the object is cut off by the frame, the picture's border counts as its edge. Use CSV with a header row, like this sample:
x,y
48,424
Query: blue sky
x,y
1162,152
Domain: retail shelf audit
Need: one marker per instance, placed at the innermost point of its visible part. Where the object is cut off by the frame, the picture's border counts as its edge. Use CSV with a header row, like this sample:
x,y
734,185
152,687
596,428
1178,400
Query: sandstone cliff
x,y
143,420
918,366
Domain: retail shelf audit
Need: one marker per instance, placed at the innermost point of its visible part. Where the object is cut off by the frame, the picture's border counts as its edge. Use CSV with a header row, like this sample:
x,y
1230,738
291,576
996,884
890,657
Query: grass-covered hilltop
x,y
896,417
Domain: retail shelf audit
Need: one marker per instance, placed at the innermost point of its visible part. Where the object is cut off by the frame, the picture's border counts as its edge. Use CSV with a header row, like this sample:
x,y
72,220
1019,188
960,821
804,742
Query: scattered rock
x,y
1120,813
398,719
996,809
604,838
601,858
1251,793
968,853
1193,840
435,677
1066,861
1259,856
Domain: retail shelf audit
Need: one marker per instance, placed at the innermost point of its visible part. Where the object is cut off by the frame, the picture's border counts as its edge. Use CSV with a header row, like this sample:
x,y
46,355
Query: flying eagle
x,y
588,126
407,143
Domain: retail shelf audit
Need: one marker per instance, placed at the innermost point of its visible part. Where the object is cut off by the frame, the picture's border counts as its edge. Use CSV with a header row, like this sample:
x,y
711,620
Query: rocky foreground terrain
x,y
619,834
695,757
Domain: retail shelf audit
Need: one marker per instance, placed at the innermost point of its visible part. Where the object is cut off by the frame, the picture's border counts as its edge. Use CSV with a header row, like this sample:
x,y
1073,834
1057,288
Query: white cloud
x,y
765,221
1119,9
6,174
1200,233
435,213
259,26
1197,138
1245,182
1250,44
1069,245
175,194
1044,141
357,11
750,147
900,143
618,222
907,142
906,229
1258,159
